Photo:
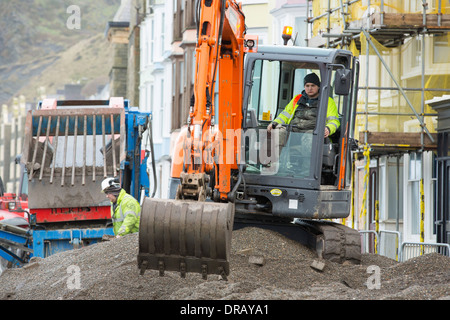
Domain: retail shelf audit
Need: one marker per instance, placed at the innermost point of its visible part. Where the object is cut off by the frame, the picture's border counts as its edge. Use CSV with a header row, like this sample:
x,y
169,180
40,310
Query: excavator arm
x,y
189,234
219,55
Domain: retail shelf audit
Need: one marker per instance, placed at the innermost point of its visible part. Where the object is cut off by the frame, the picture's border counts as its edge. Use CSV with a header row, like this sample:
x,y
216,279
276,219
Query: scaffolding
x,y
404,52
395,36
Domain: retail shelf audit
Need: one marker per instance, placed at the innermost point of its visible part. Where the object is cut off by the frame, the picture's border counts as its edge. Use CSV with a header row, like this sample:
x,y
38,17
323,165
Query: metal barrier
x,y
384,248
11,140
365,241
405,251
410,250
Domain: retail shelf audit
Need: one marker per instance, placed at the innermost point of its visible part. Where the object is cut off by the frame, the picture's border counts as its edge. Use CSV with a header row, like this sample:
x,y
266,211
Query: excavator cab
x,y
291,172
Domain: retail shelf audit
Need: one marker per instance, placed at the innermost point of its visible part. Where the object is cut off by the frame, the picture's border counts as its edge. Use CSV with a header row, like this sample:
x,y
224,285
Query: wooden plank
x,y
402,21
400,140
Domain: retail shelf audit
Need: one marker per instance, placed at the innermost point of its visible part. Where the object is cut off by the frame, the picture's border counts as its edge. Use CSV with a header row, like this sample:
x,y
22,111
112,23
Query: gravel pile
x,y
264,265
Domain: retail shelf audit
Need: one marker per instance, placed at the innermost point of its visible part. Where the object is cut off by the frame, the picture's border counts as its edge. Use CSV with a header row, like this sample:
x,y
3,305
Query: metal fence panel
x,y
389,244
11,140
369,240
386,243
410,250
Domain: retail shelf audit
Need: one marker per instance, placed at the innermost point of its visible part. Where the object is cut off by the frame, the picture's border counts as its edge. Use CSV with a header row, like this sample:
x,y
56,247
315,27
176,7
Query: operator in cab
x,y
125,209
301,111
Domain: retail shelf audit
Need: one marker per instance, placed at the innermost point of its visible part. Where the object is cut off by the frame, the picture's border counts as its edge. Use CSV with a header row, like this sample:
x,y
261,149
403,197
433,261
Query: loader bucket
x,y
185,236
66,155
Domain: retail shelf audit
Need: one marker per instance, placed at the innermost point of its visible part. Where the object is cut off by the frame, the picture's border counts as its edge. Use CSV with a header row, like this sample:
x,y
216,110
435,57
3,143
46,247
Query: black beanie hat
x,y
312,78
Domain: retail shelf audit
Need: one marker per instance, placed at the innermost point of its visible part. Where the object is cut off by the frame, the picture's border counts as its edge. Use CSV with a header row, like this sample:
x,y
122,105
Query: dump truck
x,y
227,170
70,146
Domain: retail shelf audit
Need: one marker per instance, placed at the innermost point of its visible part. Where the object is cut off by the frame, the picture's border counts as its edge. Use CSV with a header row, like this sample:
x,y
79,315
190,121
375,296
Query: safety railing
x,y
410,250
387,246
389,243
368,245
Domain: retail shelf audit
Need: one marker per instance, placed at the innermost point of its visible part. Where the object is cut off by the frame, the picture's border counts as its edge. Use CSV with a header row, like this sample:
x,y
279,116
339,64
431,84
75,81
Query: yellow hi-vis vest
x,y
332,121
126,214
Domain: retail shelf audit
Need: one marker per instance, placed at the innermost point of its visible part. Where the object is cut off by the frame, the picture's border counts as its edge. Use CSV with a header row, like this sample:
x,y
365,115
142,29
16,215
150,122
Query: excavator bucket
x,y
185,236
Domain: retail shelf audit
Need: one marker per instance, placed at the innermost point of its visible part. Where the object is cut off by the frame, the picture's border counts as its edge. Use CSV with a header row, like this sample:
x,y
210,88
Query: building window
x,y
152,40
395,190
186,69
414,177
181,76
179,109
447,143
434,182
175,114
183,19
416,50
441,52
145,47
174,76
162,33
150,99
301,27
144,97
177,26
189,13
161,110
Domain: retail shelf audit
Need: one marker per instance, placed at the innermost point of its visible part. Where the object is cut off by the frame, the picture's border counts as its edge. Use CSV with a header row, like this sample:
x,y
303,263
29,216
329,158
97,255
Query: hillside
x,y
38,49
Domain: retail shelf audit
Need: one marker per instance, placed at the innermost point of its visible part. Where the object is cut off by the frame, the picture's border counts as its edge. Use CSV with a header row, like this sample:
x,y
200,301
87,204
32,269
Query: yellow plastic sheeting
x,y
321,7
387,110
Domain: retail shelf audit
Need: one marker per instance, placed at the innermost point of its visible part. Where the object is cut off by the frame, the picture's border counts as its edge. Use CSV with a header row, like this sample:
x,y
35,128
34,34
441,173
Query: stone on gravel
x,y
318,265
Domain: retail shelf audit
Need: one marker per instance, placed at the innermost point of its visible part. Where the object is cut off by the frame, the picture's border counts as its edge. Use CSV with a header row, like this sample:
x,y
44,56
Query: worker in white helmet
x,y
125,209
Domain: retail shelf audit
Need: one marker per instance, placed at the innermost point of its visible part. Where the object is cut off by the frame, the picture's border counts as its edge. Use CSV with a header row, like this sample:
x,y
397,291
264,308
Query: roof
x,y
124,12
303,53
121,18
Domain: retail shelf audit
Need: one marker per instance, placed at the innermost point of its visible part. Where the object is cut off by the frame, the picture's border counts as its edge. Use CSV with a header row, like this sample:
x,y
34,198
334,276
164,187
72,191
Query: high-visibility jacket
x,y
306,116
125,214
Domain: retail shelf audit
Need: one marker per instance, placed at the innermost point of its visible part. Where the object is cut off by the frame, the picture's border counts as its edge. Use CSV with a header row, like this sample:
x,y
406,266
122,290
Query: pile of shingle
x,y
264,265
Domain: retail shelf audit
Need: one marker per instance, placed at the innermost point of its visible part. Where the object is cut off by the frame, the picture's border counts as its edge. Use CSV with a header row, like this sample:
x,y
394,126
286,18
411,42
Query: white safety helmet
x,y
109,182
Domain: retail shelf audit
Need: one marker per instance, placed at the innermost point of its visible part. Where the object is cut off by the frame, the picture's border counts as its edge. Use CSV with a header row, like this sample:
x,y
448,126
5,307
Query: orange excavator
x,y
229,171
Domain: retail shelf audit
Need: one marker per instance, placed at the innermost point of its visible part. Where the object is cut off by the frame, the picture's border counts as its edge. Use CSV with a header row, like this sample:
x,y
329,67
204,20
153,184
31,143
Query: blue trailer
x,y
69,148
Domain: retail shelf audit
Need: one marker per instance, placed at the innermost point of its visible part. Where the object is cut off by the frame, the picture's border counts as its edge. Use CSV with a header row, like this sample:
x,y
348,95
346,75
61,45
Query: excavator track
x,y
331,241
334,242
